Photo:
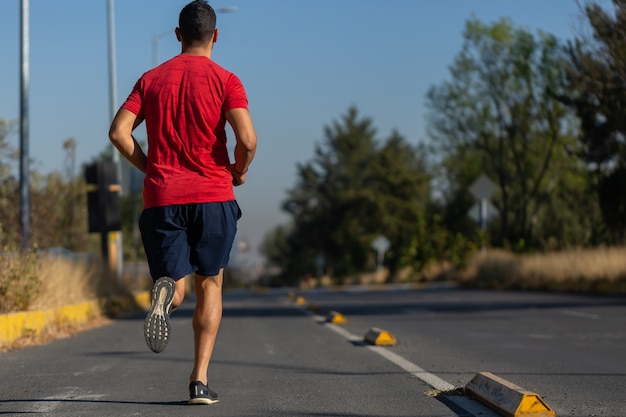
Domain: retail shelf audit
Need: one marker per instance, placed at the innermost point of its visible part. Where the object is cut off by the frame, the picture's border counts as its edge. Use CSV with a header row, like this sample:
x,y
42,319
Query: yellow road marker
x,y
378,337
336,318
507,398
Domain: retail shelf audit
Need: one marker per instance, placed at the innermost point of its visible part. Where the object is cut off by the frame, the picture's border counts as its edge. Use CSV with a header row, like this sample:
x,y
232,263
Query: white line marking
x,y
269,348
581,314
431,379
48,404
472,407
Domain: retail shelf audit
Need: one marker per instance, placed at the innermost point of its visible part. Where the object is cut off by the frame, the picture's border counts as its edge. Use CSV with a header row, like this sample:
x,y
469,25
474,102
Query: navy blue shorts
x,y
187,238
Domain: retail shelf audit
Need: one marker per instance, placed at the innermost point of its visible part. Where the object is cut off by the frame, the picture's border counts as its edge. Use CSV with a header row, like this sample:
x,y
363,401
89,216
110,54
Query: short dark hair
x,y
197,22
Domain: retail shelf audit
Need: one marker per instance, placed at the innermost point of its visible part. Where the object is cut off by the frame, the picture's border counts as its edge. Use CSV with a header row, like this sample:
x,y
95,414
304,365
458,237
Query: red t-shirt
x,y
183,102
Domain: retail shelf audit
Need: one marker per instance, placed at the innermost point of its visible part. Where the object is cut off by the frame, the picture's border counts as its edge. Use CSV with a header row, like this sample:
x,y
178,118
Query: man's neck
x,y
204,50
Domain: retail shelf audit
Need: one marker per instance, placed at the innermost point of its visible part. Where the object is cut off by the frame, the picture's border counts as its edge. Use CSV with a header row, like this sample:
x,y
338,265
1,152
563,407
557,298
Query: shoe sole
x,y
205,401
156,328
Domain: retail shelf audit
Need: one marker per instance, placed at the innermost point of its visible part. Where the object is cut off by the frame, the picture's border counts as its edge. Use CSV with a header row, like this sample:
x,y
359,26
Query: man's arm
x,y
245,148
121,136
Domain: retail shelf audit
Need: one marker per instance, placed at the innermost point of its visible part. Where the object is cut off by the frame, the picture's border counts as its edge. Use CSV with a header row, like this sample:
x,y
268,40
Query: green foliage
x,y
59,213
594,88
58,208
495,116
352,191
19,283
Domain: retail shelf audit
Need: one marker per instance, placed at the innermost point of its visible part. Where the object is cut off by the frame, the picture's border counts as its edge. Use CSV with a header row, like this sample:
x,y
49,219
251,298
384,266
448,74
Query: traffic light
x,y
103,197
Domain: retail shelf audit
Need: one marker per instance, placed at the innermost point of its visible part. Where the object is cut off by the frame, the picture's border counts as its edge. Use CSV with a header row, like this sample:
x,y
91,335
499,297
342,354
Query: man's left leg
x,y
206,321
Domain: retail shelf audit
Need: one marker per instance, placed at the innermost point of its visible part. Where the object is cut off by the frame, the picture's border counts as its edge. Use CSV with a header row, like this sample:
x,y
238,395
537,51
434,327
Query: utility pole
x,y
24,124
115,253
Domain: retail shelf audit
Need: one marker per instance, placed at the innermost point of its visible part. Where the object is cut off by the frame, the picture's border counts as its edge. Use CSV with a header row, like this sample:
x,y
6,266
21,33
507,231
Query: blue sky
x,y
304,63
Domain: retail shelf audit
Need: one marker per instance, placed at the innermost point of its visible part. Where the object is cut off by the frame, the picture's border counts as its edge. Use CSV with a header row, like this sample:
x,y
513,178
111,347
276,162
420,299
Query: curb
x,y
507,398
14,326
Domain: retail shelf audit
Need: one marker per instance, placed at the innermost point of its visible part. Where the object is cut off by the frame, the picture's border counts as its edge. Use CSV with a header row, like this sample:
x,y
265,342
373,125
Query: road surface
x,y
276,358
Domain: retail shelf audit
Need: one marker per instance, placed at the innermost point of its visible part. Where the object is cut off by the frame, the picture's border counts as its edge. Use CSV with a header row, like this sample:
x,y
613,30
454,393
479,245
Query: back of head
x,y
197,22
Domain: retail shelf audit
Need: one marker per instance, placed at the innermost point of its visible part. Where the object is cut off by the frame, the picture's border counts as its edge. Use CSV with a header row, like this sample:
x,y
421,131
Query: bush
x,y
19,283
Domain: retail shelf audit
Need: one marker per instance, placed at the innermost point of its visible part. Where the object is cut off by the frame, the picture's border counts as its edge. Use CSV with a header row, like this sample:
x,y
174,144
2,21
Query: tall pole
x,y
155,46
24,123
115,238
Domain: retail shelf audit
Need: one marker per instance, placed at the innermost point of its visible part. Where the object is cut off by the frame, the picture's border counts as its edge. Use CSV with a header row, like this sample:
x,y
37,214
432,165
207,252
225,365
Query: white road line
x,y
269,348
431,379
48,404
470,406
580,314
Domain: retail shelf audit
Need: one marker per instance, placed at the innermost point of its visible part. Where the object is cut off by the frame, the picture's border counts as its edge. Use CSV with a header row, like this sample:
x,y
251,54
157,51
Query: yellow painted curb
x,y
378,337
143,299
14,326
28,323
507,398
336,318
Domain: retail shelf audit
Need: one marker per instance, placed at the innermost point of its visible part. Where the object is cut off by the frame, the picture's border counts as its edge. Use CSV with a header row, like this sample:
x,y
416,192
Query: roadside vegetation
x,y
540,117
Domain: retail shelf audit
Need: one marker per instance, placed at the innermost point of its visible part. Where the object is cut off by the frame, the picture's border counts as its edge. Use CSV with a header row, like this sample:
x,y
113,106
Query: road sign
x,y
483,187
381,244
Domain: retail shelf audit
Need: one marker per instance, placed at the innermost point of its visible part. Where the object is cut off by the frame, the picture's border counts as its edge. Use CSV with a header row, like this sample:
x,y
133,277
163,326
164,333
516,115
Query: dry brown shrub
x,y
19,283
38,282
64,282
601,270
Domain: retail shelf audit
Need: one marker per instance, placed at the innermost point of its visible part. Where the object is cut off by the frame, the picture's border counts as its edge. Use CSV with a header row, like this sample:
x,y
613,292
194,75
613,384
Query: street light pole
x,y
114,238
155,46
24,123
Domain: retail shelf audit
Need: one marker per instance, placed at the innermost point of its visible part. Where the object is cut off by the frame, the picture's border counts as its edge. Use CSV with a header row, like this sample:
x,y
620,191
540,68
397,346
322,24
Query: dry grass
x,y
601,270
64,282
45,282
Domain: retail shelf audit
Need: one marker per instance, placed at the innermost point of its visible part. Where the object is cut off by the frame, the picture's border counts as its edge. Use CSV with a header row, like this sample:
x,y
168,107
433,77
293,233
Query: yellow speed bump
x,y
378,337
336,318
507,398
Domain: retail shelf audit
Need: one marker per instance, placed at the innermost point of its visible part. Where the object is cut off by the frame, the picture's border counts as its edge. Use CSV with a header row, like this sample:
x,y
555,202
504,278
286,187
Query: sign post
x,y
380,245
483,188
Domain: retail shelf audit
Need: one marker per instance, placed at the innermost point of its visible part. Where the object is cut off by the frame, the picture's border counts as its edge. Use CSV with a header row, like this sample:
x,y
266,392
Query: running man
x,y
190,212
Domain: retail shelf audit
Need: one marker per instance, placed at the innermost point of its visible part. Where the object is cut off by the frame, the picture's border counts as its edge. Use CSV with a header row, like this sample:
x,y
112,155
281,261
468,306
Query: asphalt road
x,y
275,358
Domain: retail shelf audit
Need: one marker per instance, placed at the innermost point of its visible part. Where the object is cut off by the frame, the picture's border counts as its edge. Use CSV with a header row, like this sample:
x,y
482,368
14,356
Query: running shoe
x,y
157,328
199,393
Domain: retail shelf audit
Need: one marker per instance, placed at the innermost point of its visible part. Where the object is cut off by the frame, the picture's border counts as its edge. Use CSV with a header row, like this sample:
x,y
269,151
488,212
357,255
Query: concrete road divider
x,y
378,337
507,398
336,318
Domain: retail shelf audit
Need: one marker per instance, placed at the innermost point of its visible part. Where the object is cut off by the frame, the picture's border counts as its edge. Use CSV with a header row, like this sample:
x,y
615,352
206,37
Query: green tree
x,y
9,233
594,88
495,115
332,196
353,190
402,183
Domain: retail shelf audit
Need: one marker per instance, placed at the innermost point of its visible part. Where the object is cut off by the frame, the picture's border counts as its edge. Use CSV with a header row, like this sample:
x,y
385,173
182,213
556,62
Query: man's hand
x,y
239,178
